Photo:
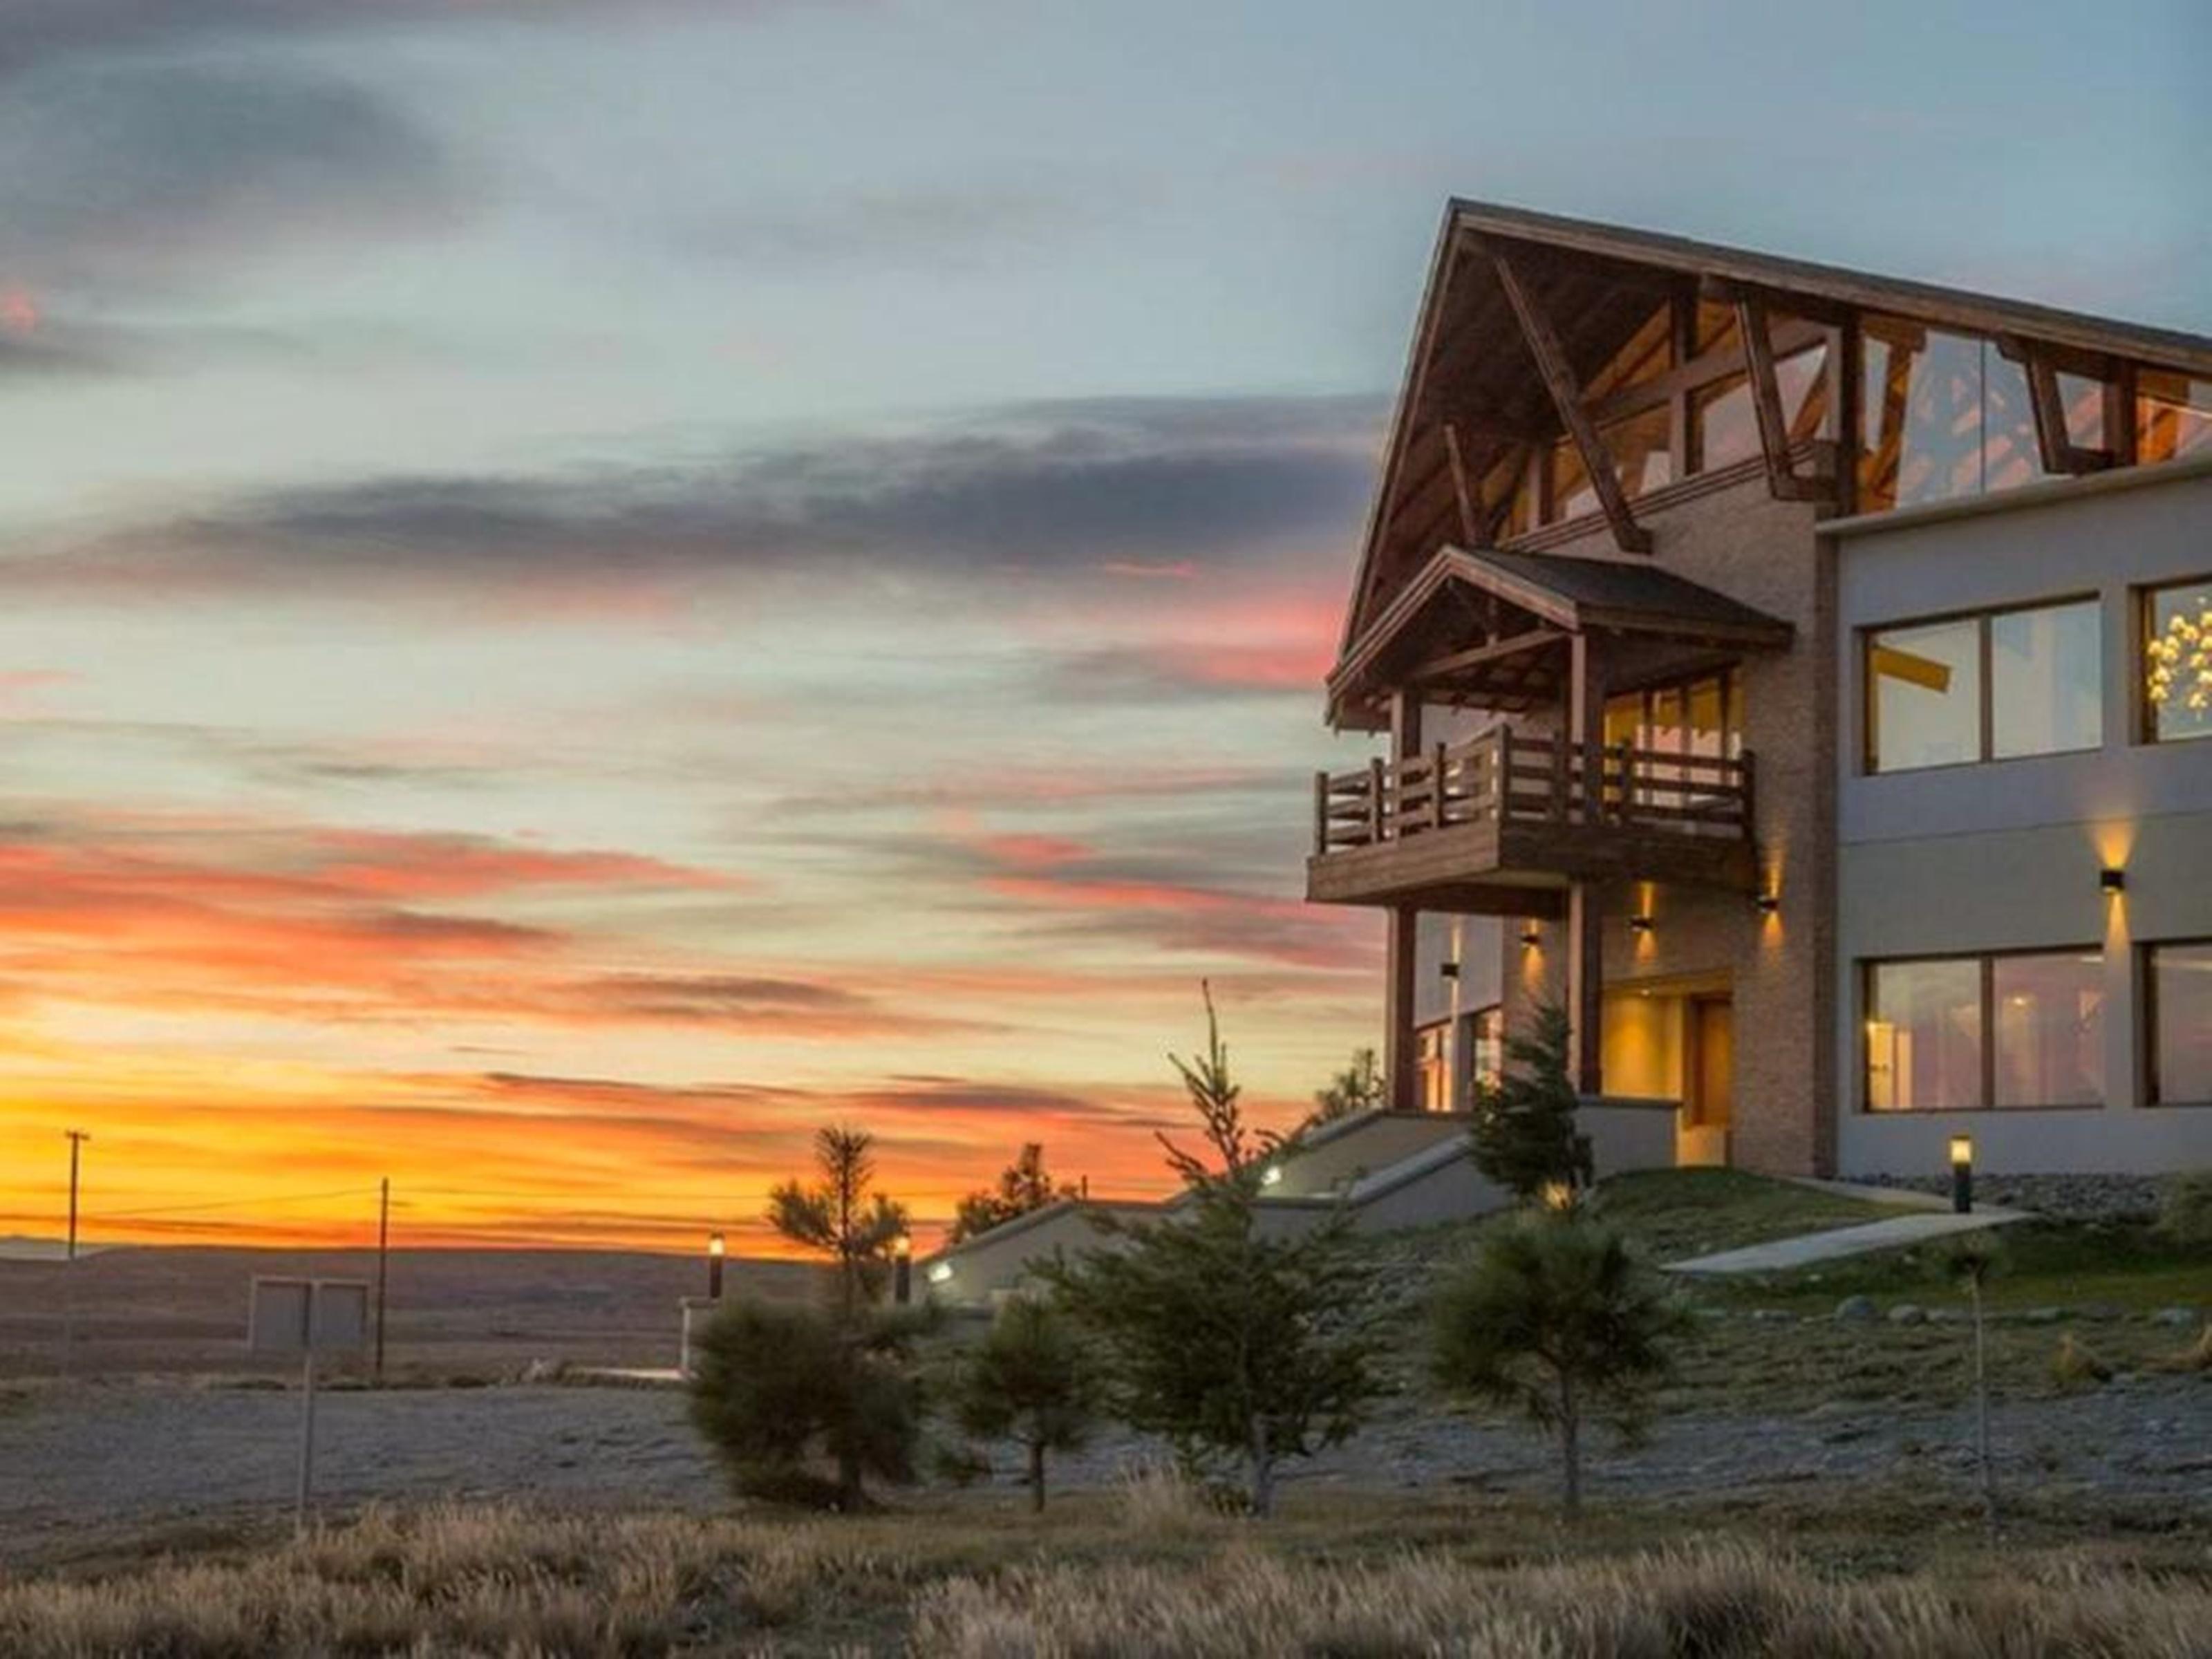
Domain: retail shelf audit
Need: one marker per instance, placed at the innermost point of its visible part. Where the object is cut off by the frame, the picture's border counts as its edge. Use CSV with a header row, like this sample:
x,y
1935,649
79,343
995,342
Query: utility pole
x,y
76,1139
383,1259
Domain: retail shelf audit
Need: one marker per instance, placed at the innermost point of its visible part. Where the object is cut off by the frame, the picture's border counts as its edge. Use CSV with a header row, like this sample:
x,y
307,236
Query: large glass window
x,y
2050,1015
1486,1042
2046,672
2173,415
1992,687
1724,427
2177,631
2178,984
1964,1033
1433,1073
1924,695
1924,1036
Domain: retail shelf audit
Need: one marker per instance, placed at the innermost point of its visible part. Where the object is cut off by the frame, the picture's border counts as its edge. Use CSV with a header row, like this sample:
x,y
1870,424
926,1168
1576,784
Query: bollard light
x,y
1558,1195
714,1252
902,1270
1962,1173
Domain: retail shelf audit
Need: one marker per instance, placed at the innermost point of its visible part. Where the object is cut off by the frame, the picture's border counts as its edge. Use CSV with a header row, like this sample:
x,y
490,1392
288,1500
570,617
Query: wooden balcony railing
x,y
1503,778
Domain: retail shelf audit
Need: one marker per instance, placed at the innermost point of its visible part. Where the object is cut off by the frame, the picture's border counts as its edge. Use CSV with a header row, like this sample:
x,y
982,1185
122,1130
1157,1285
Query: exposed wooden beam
x,y
1766,402
1459,661
1473,527
1558,378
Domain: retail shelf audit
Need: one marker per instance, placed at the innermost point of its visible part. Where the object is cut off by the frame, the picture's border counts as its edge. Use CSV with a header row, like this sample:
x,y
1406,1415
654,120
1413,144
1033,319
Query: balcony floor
x,y
1521,867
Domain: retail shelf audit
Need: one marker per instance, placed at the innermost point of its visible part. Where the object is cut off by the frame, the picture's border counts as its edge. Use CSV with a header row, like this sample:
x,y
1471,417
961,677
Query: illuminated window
x,y
1997,686
1965,1033
1485,1031
2177,1021
1433,1073
2176,679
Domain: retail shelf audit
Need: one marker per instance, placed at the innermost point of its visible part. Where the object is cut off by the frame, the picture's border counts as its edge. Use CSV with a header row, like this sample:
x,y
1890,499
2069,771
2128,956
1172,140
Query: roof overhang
x,y
1486,628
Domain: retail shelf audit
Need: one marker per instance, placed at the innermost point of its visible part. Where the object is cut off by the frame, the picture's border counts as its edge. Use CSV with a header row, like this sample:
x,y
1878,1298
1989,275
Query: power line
x,y
231,1203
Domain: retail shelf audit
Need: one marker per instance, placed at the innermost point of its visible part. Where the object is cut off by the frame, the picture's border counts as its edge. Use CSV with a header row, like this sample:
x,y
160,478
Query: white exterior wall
x,y
2005,855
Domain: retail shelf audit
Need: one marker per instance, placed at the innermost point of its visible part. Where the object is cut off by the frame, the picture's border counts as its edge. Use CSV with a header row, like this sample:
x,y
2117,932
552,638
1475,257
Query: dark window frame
x,y
1985,962
1986,716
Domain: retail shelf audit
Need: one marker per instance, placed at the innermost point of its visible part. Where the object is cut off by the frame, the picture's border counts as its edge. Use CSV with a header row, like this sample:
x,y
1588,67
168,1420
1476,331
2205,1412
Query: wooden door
x,y
1713,1076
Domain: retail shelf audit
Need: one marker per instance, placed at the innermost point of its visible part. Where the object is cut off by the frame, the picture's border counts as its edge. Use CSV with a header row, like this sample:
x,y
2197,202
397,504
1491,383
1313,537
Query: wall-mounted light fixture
x,y
2113,879
1639,924
1767,904
1531,937
1962,1173
939,1272
1272,1175
1448,969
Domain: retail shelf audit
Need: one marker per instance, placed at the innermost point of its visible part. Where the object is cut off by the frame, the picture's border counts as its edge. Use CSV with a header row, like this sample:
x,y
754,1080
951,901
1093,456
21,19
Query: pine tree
x,y
1229,1344
1524,1130
1031,1379
1355,1090
1554,1316
841,1217
1024,1186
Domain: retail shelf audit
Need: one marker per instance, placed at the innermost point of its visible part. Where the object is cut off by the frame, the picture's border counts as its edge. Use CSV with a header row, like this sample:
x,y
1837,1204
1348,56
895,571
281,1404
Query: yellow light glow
x,y
1962,1152
903,1247
714,1244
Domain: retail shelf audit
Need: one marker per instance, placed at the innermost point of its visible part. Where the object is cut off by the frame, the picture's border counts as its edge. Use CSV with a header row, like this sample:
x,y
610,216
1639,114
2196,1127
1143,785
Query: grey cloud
x,y
124,179
35,31
1050,492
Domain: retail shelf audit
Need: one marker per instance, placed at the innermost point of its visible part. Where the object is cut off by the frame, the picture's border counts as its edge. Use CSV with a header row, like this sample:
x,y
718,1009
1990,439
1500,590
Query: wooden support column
x,y
1558,378
1766,404
1585,899
1400,1048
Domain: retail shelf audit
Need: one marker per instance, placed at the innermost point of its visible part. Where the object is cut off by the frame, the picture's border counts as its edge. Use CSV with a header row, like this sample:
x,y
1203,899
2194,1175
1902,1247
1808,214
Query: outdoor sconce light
x,y
1639,924
902,1270
939,1272
1962,1173
1531,937
2113,880
1272,1175
1767,904
715,1250
1448,969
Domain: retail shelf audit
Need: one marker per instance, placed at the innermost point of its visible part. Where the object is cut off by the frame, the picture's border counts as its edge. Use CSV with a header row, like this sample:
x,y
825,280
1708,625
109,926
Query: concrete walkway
x,y
1779,1255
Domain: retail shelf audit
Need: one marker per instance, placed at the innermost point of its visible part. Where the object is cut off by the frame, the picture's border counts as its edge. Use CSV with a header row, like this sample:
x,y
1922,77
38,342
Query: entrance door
x,y
1712,1064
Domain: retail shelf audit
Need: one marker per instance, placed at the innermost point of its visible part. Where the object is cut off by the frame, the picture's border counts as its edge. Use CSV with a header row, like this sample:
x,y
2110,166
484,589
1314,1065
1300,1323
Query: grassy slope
x,y
1735,1361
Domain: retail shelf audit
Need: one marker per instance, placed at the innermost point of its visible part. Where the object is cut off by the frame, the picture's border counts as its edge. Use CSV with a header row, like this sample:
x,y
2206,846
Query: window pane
x,y
1708,734
1924,695
2045,671
1921,416
1924,1036
2009,455
2050,1029
2083,400
1434,1077
1803,380
2173,415
1489,1046
2181,1022
1723,430
1640,446
1571,494
2178,660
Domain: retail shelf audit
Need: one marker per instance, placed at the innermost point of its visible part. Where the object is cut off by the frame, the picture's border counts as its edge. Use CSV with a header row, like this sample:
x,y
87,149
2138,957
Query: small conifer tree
x,y
1524,1129
1032,1380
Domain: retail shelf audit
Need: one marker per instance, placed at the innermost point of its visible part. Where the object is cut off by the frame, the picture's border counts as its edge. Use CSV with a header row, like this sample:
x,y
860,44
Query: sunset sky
x,y
587,585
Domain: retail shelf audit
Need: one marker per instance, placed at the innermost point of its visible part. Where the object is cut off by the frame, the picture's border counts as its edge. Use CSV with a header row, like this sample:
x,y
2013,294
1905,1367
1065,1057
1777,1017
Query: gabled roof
x,y
1599,283
1519,606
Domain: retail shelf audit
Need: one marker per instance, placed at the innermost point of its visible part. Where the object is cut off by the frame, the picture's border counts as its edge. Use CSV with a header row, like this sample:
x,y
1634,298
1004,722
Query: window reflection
x,y
2179,985
1920,435
2173,415
1924,1036
2046,675
2049,1012
1724,425
1924,695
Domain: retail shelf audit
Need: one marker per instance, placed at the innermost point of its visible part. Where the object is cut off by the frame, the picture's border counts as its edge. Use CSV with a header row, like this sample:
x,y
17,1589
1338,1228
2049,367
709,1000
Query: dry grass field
x,y
1151,1572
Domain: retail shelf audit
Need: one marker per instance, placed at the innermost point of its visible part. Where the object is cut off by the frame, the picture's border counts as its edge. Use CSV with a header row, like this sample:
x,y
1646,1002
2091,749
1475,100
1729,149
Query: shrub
x,y
1024,1186
804,1405
2185,1210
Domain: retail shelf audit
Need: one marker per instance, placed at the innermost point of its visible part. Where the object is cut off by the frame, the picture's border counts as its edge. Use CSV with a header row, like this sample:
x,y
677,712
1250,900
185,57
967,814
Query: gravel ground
x,y
82,1469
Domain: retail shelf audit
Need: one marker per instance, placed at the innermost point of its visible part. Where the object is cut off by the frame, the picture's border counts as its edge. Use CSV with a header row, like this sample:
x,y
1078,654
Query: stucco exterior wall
x,y
2005,855
1364,1149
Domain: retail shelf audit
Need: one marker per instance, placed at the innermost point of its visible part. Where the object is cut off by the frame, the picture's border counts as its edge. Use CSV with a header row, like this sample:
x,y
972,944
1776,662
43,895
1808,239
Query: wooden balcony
x,y
1502,824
